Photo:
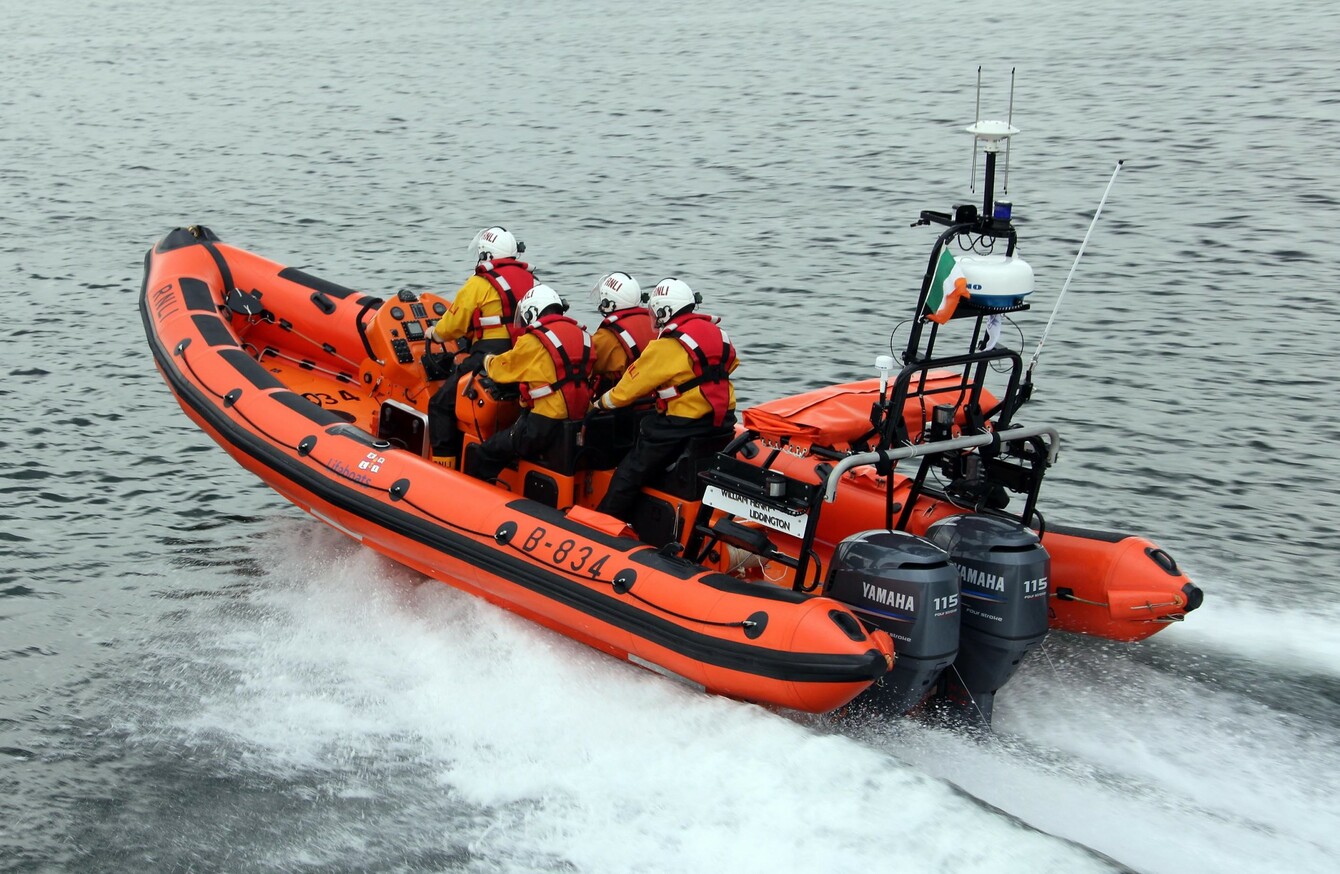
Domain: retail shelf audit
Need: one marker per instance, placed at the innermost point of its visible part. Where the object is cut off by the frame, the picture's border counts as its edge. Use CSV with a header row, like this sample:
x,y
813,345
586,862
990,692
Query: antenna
x,y
976,117
1009,119
1037,353
991,134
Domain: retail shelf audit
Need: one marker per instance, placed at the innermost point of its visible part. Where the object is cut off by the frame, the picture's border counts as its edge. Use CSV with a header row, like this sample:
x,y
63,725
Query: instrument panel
x,y
395,333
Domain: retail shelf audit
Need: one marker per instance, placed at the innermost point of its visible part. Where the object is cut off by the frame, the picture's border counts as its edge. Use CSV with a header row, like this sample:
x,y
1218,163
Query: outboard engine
x,y
1003,571
907,586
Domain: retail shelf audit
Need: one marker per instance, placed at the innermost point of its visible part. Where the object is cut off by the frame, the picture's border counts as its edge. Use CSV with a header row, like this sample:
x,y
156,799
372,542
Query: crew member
x,y
552,363
624,332
479,316
687,368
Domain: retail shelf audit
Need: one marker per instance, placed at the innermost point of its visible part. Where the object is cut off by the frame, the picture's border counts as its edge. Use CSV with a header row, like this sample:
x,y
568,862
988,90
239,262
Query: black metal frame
x,y
1004,463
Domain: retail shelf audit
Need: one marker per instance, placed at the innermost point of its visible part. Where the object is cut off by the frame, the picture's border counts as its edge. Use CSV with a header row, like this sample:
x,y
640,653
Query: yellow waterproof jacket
x,y
477,294
528,361
665,363
610,358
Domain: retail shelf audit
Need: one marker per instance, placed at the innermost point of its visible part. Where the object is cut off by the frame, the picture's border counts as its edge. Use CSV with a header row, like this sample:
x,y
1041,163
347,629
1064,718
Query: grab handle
x,y
1163,560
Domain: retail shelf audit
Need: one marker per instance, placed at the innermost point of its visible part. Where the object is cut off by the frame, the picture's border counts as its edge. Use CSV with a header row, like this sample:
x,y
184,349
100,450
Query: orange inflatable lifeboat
x,y
784,566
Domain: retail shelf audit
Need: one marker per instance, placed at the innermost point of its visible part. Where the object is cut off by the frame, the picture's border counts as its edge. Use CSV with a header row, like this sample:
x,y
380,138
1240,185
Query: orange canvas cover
x,y
837,415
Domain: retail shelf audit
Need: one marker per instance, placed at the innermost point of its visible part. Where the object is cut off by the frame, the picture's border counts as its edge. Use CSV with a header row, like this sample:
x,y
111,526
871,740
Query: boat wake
x,y
402,713
414,724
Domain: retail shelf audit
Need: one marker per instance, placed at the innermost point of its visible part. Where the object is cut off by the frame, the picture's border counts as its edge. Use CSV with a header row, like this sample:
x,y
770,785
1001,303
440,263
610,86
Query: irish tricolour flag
x,y
947,286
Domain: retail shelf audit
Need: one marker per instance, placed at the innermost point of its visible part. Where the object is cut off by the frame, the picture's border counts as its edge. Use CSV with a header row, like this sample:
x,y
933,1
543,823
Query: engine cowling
x,y
1003,572
908,587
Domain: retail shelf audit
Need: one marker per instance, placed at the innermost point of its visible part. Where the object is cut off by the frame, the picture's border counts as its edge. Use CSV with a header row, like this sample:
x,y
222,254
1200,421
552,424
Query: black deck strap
x,y
308,410
316,283
1089,533
224,271
734,585
214,332
197,295
247,367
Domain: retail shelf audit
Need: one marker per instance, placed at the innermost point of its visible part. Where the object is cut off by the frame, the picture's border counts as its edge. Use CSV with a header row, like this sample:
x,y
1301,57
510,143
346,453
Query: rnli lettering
x,y
896,600
165,302
612,283
565,554
981,579
372,463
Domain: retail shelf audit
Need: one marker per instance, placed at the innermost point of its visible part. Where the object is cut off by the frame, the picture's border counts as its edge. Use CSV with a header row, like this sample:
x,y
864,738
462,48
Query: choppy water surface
x,y
196,676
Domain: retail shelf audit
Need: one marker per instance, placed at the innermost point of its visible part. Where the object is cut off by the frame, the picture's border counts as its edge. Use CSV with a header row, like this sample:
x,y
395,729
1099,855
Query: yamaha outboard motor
x,y
905,585
1003,572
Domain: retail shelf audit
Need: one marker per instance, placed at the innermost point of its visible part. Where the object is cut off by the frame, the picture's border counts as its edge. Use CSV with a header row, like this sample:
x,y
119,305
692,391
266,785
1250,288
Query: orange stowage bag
x,y
840,414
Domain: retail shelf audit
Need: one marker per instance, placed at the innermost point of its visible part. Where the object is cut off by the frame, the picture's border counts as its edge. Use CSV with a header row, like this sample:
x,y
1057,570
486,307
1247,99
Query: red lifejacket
x,y
570,348
712,355
512,279
632,328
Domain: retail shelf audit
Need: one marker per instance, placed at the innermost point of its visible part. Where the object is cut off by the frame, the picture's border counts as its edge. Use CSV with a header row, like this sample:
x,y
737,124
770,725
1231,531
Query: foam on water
x,y
565,755
344,671
1291,638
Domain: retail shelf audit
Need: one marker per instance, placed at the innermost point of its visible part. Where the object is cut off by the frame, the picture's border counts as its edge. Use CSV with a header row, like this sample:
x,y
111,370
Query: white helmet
x,y
669,297
496,242
536,301
617,291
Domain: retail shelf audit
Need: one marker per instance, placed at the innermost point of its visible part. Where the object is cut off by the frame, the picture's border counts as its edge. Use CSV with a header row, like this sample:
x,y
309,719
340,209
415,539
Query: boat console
x,y
395,339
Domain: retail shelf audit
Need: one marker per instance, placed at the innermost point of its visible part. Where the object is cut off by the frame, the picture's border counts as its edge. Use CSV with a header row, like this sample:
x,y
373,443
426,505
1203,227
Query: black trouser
x,y
660,440
442,407
528,436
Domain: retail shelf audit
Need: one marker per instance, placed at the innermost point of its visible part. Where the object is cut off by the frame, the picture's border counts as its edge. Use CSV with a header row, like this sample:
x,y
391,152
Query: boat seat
x,y
608,437
611,434
563,454
682,477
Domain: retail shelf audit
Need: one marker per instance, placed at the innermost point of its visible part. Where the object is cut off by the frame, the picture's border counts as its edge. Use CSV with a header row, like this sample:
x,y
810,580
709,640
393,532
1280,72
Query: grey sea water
x,y
196,676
